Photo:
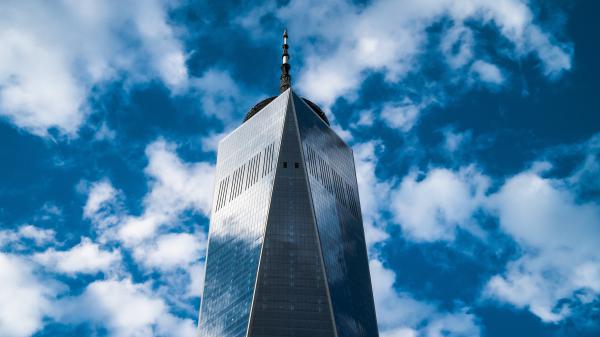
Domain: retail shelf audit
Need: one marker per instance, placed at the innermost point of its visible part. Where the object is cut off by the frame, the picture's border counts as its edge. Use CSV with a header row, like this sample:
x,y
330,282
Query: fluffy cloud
x,y
196,283
160,240
430,208
559,238
220,95
48,68
172,258
401,315
372,191
457,46
87,258
100,193
125,309
453,141
38,236
402,116
25,298
487,72
171,250
557,233
176,186
104,208
389,37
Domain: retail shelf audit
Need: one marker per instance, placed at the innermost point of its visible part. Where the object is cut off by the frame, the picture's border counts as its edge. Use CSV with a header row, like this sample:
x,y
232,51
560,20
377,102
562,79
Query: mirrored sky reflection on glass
x,y
474,125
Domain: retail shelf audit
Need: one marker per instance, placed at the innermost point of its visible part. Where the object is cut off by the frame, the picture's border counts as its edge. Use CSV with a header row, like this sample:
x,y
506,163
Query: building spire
x,y
285,81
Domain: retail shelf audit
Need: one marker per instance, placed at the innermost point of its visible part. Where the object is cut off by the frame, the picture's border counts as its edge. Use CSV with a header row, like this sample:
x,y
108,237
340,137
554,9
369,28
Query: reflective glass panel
x,y
291,296
334,191
244,181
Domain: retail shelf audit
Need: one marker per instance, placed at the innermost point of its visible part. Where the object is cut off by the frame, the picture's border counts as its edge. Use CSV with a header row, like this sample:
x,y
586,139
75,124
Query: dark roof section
x,y
317,110
260,105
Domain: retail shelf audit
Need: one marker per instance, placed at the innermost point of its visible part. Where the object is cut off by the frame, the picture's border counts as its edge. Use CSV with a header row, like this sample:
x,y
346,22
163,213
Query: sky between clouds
x,y
474,127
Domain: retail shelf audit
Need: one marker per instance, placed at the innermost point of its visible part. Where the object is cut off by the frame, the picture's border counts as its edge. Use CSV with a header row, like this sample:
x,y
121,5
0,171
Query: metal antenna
x,y
285,81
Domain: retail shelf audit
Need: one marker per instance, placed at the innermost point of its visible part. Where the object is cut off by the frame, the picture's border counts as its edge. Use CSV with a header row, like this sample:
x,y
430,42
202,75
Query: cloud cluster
x,y
125,308
401,315
87,258
430,208
159,239
48,68
373,191
167,251
557,234
559,238
342,43
220,95
19,238
25,298
175,186
389,37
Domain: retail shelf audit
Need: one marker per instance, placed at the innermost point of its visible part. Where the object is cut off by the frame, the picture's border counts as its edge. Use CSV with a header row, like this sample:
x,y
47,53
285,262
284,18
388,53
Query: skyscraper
x,y
286,253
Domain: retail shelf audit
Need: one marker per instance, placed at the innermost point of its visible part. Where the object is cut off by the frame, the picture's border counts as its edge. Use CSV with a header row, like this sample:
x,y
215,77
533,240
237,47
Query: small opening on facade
x,y
285,164
297,165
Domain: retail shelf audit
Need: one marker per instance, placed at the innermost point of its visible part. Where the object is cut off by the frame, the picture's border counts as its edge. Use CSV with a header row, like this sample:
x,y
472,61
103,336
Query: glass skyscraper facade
x,y
286,253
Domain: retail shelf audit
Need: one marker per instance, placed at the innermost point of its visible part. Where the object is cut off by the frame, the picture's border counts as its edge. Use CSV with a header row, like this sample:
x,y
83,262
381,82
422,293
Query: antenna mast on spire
x,y
285,81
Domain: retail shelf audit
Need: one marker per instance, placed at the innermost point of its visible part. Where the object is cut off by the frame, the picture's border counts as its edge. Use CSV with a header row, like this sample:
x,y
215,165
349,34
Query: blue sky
x,y
474,125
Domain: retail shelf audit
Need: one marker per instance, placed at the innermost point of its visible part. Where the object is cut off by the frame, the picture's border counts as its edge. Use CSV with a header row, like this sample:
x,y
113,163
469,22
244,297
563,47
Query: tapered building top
x,y
285,80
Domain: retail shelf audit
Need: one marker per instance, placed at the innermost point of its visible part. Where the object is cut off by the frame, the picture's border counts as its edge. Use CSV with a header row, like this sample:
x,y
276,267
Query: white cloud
x,y
389,37
100,194
221,97
557,234
395,309
401,315
17,238
402,116
559,238
220,94
104,133
48,66
431,208
87,258
196,284
372,191
487,72
158,239
173,250
453,141
365,118
457,46
459,324
38,91
556,58
103,207
399,332
175,186
39,235
585,178
125,309
25,298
